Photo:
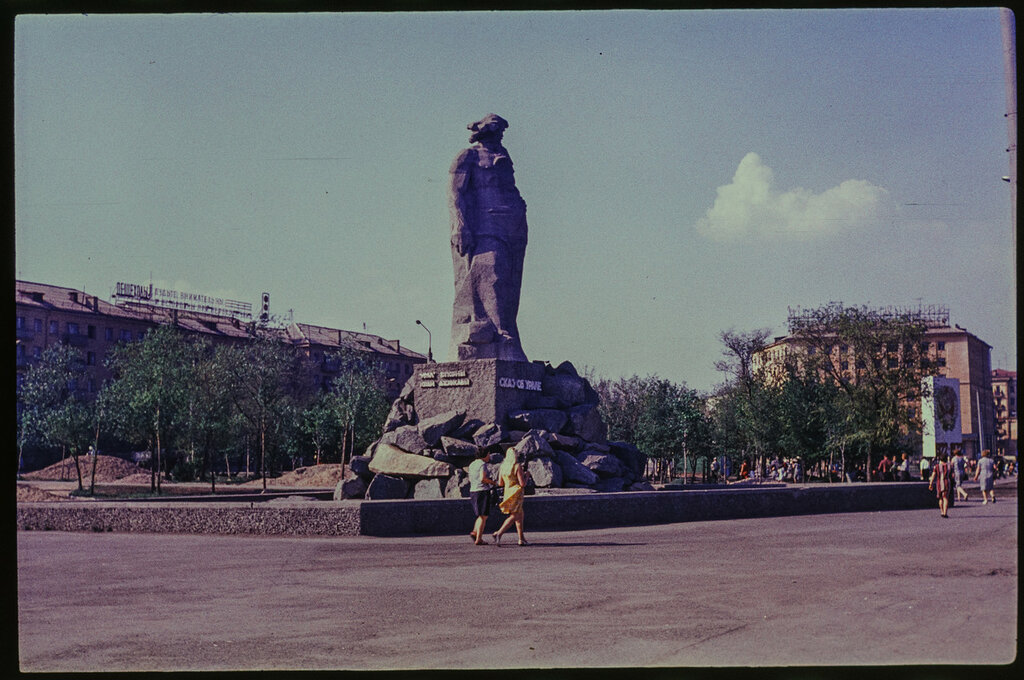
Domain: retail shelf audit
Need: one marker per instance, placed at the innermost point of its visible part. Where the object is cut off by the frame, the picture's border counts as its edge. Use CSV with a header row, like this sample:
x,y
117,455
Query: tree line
x,y
177,392
846,397
846,393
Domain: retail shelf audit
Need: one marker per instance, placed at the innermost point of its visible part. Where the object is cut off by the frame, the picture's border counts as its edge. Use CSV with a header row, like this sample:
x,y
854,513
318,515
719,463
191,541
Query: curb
x,y
296,516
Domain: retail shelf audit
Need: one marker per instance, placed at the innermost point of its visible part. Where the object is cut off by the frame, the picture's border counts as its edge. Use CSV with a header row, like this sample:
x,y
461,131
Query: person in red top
x,y
884,468
941,482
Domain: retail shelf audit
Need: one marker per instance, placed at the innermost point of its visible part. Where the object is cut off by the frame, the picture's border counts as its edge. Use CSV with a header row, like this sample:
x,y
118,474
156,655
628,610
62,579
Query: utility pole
x,y
1010,71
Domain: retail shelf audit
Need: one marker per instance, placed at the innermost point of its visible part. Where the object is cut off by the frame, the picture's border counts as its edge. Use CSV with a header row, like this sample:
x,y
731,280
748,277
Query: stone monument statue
x,y
488,241
488,397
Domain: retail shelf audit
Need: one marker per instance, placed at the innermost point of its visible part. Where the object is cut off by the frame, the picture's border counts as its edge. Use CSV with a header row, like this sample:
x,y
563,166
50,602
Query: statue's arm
x,y
462,229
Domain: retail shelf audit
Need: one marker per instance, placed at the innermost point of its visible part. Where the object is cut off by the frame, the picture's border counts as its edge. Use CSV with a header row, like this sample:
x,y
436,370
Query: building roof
x,y
931,332
304,333
59,298
1002,373
49,297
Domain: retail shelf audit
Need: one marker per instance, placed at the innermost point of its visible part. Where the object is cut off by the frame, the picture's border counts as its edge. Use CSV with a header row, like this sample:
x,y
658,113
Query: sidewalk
x,y
874,588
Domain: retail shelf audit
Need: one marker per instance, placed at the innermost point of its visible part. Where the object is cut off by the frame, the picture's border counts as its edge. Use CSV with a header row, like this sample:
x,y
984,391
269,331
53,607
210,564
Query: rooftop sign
x,y
172,299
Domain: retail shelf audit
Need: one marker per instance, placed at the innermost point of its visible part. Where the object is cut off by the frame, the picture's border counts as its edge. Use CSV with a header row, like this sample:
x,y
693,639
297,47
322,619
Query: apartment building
x,y
951,352
47,314
1004,399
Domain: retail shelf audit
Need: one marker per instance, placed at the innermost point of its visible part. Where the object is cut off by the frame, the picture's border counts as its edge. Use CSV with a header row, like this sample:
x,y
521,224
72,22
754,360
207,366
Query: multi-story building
x,y
46,314
1004,399
950,351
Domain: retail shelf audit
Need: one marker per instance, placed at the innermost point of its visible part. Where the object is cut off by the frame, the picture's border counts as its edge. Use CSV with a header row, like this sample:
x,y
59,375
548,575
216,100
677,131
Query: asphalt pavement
x,y
879,588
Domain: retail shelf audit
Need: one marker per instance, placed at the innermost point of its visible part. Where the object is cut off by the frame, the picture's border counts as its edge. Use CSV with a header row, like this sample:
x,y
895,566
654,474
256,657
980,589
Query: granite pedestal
x,y
485,389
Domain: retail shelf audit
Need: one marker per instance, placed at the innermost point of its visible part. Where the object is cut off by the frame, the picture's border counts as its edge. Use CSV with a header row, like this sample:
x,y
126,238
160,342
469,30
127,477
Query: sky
x,y
685,172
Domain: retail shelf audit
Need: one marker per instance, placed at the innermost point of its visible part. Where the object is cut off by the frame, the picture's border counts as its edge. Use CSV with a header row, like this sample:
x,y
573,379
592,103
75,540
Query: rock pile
x,y
561,435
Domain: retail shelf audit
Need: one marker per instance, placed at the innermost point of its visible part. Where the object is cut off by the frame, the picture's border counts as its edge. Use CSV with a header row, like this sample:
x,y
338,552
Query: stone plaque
x,y
485,389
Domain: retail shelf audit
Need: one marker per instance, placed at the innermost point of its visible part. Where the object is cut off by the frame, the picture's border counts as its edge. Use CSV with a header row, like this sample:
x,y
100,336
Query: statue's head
x,y
490,125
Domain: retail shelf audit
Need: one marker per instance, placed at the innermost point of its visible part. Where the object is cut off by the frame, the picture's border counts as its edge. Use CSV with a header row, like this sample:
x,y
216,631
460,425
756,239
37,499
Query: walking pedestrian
x,y
985,475
513,478
479,495
940,482
959,473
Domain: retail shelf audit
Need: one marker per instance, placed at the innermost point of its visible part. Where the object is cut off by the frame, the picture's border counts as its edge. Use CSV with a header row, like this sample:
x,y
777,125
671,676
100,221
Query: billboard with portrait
x,y
940,413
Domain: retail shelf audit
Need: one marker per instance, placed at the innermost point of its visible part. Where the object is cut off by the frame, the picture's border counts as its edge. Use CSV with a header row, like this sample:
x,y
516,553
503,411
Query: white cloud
x,y
751,206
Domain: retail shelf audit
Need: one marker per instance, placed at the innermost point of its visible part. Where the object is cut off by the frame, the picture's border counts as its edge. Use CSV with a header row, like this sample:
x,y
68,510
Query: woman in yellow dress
x,y
513,478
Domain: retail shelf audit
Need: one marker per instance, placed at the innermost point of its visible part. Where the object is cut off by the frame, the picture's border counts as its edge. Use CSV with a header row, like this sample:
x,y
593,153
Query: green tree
x,y
359,399
619,406
150,386
663,419
876,360
211,421
269,379
809,413
747,399
53,413
320,425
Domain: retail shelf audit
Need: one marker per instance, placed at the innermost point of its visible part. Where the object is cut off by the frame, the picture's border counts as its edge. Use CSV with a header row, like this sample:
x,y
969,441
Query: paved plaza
x,y
878,588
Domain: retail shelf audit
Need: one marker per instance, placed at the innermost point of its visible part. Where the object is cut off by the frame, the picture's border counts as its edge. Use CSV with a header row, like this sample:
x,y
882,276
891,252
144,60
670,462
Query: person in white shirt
x,y
479,495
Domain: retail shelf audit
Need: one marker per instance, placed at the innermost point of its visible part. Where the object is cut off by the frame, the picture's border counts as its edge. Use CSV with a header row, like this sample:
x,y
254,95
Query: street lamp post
x,y
430,353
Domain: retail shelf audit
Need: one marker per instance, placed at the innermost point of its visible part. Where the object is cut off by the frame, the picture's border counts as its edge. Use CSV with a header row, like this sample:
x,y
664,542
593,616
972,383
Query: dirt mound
x,y
30,494
323,476
108,468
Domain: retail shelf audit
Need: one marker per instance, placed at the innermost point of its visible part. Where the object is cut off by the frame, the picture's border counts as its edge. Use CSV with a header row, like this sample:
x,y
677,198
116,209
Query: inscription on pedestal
x,y
432,379
520,384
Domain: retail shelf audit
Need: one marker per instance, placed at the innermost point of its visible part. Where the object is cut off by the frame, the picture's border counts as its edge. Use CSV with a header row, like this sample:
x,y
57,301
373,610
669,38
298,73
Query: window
x,y
90,358
941,346
108,333
844,365
92,385
126,335
91,332
54,329
37,352
844,347
73,384
924,346
893,362
141,335
72,328
892,346
19,322
37,325
941,361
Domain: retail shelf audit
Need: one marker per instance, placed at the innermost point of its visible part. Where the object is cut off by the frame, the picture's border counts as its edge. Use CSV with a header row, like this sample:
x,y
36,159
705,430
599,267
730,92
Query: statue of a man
x,y
488,245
